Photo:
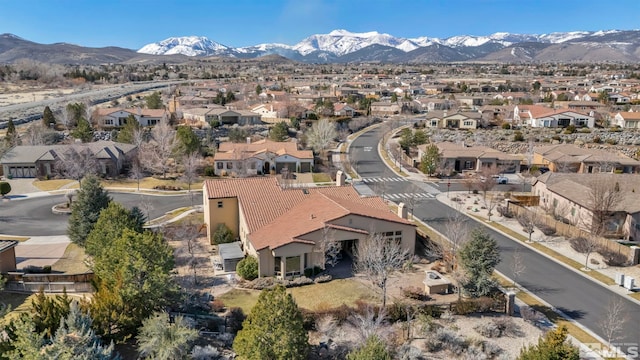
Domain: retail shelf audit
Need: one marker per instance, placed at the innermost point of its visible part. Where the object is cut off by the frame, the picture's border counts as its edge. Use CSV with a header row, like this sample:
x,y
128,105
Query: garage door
x,y
305,167
22,171
290,165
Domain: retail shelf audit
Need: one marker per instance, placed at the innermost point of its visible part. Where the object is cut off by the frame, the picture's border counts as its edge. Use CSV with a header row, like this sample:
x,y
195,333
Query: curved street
x,y
578,297
33,216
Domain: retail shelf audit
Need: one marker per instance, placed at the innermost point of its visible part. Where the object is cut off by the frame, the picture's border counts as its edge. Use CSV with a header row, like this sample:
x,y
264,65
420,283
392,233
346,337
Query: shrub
x,y
579,244
430,310
167,187
506,126
397,312
235,317
209,171
247,268
5,188
596,140
323,279
299,281
612,258
504,212
32,269
570,129
217,305
452,341
502,326
611,141
556,137
585,130
415,293
309,272
545,229
340,313
464,307
531,315
488,329
518,136
222,235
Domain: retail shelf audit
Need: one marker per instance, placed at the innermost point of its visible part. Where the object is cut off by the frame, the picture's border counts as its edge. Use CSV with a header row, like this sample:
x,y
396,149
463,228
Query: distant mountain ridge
x,y
342,46
345,46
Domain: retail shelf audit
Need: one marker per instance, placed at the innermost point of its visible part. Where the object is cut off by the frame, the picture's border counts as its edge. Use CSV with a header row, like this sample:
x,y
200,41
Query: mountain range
x,y
342,46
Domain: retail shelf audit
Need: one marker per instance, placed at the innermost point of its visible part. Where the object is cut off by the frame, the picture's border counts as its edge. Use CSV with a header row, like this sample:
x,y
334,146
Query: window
x,y
434,123
152,121
220,165
392,236
573,211
229,165
555,202
468,123
239,165
108,122
277,265
219,204
253,165
468,165
293,265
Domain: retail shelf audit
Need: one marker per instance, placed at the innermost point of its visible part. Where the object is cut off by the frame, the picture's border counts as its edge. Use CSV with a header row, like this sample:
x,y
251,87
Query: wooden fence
x,y
571,231
49,283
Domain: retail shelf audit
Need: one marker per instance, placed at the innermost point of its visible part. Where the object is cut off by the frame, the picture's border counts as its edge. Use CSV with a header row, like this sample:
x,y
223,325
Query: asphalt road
x,y
33,216
578,297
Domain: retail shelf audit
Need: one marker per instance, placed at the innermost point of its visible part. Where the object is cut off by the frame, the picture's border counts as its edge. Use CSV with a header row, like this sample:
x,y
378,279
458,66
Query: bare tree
x,y
613,321
320,136
158,152
470,183
586,245
378,258
75,162
604,195
65,117
136,170
329,247
190,251
528,220
490,202
487,179
38,134
369,323
191,164
517,265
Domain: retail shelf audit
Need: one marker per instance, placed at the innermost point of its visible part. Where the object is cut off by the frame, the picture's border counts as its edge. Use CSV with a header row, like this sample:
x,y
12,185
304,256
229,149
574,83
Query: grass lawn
x,y
148,183
50,185
330,294
19,303
12,237
72,262
321,177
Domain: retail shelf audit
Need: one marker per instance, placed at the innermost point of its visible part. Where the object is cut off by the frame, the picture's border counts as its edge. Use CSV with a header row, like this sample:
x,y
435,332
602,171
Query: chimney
x,y
444,114
340,178
248,139
402,211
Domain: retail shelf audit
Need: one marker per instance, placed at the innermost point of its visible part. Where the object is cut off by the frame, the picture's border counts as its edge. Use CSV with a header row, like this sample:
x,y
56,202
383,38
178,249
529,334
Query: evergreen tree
x,y
372,349
48,311
133,281
154,101
258,89
90,201
430,160
11,138
83,131
110,225
25,342
76,110
279,132
273,330
127,133
165,338
75,340
479,256
188,141
553,346
48,118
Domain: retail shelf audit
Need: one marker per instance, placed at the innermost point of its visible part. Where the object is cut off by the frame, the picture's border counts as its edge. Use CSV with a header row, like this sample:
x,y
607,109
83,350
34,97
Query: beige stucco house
x,y
284,227
572,158
261,157
572,196
462,158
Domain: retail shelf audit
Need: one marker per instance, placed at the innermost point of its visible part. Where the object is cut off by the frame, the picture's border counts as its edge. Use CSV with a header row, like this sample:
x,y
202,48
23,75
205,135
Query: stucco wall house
x,y
284,227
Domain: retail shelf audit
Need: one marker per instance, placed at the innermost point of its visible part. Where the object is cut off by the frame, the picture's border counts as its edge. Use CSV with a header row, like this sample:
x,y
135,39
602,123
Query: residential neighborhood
x,y
327,200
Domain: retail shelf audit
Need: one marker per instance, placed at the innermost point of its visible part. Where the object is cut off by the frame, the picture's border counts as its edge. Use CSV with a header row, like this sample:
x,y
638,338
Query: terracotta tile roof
x,y
630,115
277,216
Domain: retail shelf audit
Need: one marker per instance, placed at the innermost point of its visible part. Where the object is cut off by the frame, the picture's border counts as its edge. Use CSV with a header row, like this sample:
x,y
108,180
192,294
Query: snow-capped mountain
x,y
339,43
187,45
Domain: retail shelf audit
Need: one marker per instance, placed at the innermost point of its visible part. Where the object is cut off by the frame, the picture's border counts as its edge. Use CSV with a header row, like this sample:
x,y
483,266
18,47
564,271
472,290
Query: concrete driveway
x,y
41,250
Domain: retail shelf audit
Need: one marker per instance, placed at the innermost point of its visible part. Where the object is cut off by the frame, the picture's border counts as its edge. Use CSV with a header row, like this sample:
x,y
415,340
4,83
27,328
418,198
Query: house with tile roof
x,y
627,120
31,161
572,158
226,116
284,228
117,117
461,158
261,157
571,196
456,120
542,116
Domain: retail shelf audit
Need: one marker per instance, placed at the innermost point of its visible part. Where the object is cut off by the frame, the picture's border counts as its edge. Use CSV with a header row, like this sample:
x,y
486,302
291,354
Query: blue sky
x,y
134,23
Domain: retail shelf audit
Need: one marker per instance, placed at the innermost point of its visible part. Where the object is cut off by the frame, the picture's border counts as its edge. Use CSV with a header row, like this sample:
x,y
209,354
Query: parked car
x,y
502,180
